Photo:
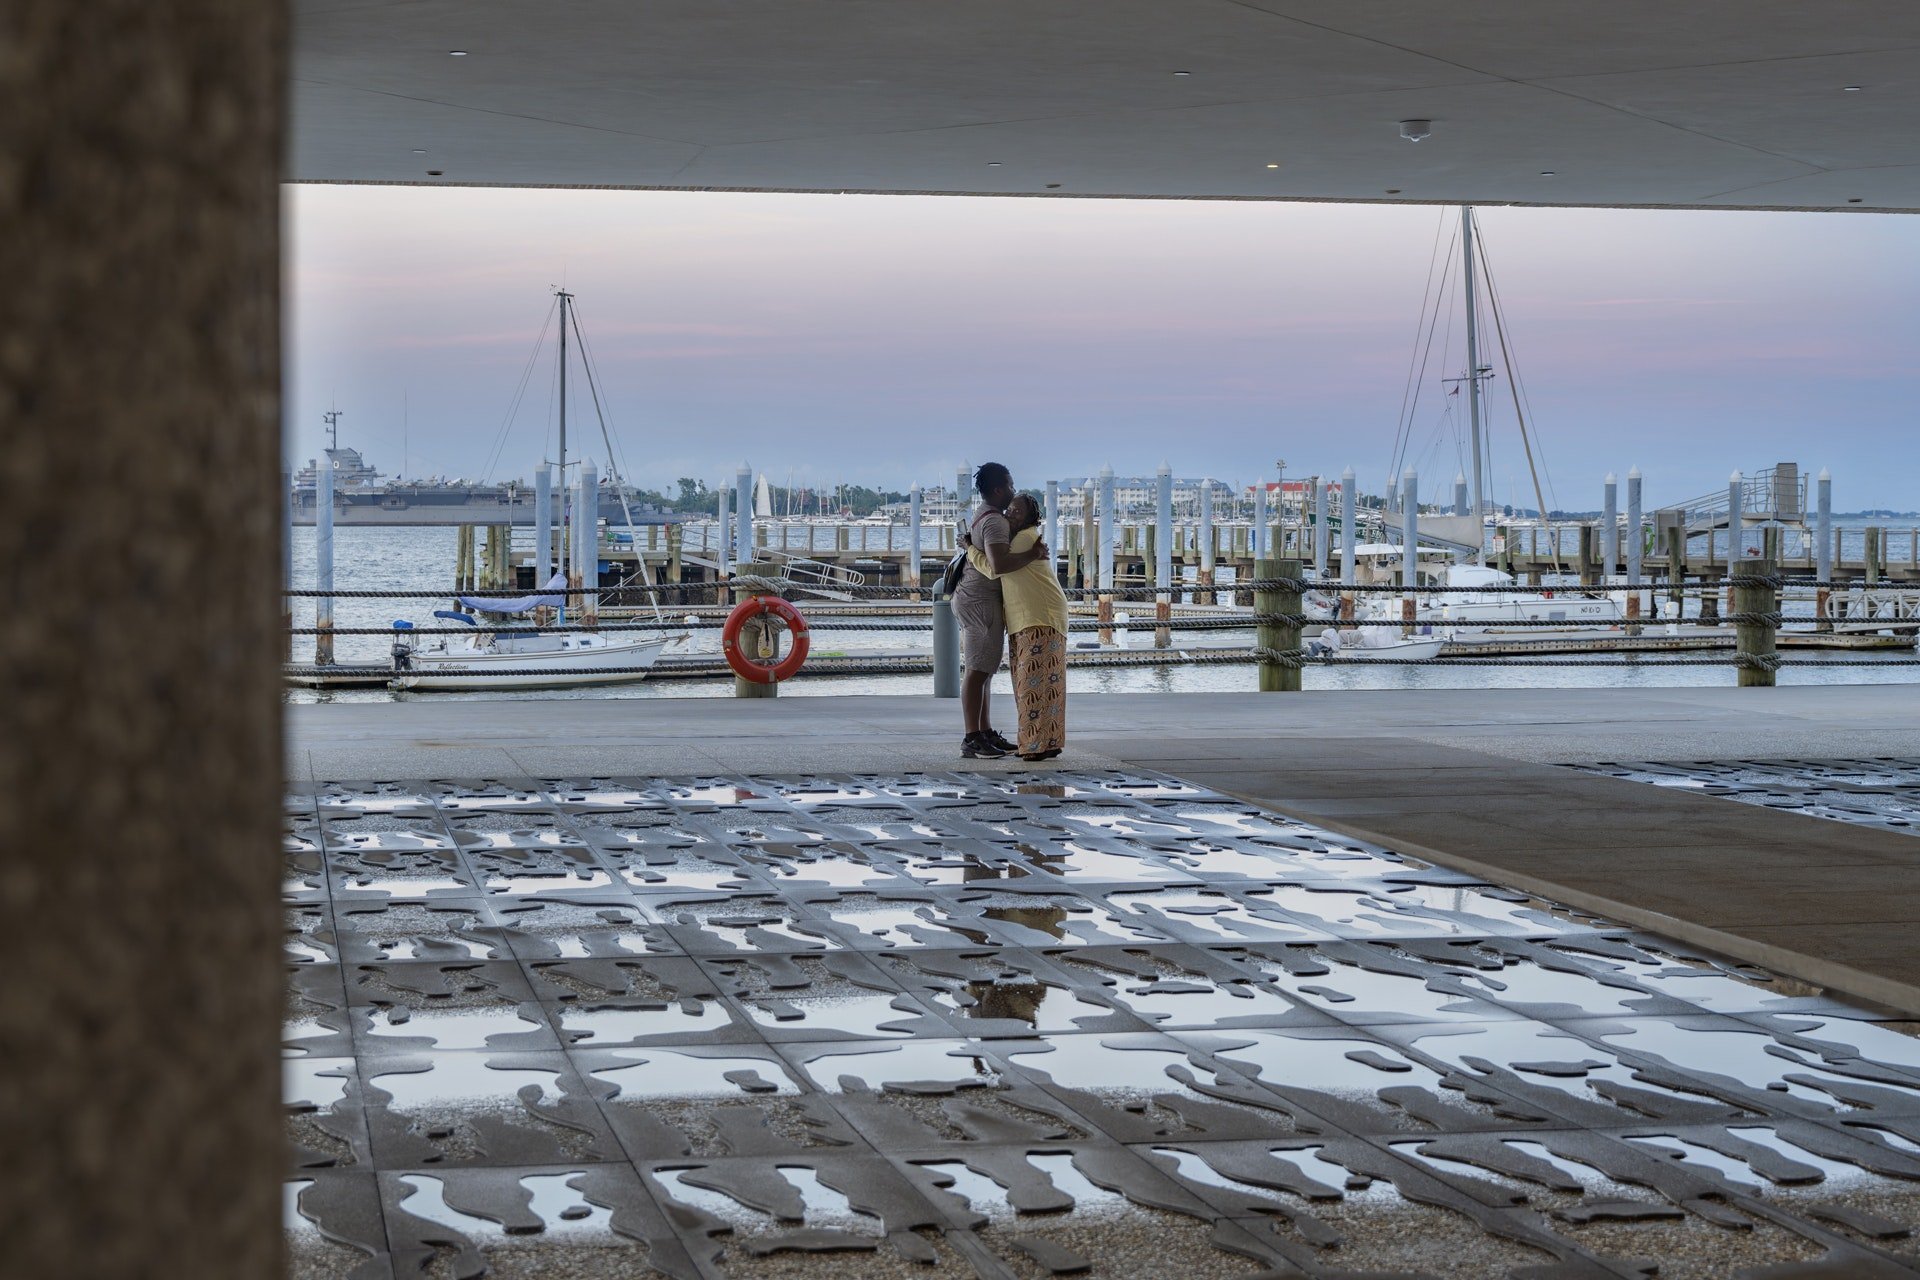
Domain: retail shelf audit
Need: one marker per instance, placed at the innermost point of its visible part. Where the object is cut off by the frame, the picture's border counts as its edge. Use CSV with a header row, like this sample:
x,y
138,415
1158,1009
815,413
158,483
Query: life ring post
x,y
750,638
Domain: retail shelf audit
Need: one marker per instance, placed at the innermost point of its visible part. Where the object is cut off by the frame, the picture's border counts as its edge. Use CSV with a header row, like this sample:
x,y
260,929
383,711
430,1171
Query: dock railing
x,y
1738,624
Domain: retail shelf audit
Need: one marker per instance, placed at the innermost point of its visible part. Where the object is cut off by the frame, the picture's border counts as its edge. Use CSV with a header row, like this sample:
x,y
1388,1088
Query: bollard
x,y
323,559
946,650
1756,620
758,637
1274,636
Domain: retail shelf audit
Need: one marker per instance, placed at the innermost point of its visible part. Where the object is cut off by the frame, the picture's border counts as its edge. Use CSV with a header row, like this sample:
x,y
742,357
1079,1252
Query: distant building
x,y
1138,495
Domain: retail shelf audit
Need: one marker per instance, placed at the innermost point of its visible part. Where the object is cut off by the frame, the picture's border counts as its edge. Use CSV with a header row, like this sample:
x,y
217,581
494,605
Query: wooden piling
x,y
1280,637
1588,564
1755,600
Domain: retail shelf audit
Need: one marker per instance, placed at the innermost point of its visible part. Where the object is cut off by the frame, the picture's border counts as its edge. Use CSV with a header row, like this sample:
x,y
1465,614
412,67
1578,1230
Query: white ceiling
x,y
1727,103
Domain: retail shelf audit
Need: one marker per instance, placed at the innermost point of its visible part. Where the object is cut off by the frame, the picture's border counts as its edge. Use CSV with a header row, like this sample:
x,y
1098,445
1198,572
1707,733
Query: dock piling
x,y
323,561
1322,531
1349,539
913,542
757,634
1756,604
1278,634
1052,530
1410,552
1459,494
743,512
1208,549
586,523
1163,556
542,524
1636,547
1609,528
1106,553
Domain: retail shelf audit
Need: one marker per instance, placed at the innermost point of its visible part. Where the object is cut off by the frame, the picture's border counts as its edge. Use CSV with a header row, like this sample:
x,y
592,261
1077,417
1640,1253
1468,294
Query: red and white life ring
x,y
748,668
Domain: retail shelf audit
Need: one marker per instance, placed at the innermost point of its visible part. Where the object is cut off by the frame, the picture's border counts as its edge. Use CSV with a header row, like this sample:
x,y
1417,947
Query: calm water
x,y
400,559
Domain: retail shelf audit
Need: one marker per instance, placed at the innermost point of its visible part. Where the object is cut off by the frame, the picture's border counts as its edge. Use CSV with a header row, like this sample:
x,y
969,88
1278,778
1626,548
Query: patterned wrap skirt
x,y
1040,689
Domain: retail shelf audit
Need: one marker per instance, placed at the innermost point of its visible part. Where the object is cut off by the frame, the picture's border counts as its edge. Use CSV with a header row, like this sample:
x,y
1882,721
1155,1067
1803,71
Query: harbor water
x,y
377,558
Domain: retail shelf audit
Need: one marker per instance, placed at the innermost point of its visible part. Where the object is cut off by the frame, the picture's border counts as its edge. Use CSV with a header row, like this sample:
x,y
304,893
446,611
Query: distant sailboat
x,y
497,656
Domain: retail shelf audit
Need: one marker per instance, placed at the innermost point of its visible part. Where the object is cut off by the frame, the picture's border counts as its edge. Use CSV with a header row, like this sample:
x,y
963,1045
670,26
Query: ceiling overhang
x,y
1774,104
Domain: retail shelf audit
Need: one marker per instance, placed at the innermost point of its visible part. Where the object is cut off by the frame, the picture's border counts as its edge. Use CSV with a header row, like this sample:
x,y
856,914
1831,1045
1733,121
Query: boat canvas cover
x,y
520,604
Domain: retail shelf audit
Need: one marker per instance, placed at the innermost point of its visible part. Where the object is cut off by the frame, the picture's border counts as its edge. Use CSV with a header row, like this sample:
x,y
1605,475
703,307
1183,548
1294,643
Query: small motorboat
x,y
1372,644
519,657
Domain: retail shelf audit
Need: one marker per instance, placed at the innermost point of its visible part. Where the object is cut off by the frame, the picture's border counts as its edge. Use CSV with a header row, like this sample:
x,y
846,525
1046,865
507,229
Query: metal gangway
x,y
1778,494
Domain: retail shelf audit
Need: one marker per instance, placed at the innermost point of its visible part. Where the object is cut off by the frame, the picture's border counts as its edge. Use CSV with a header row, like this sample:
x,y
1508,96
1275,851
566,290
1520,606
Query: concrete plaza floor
x,y
1240,986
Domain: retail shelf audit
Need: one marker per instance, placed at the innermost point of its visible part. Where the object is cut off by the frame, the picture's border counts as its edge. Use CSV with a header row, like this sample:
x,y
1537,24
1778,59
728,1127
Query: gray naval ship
x,y
363,495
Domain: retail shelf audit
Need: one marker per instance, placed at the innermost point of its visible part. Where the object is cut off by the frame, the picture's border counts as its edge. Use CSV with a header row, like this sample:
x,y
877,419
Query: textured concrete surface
x,y
1098,1021
1460,776
140,145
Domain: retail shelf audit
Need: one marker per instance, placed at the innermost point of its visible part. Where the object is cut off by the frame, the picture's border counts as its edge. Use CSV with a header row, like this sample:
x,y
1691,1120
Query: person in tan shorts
x,y
978,609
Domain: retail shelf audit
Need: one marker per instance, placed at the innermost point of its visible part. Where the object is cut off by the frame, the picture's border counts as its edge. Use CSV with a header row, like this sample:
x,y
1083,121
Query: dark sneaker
x,y
1006,748
978,746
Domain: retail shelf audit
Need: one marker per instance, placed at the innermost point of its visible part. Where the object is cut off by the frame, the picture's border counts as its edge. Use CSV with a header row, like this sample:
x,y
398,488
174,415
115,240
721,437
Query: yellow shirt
x,y
1031,596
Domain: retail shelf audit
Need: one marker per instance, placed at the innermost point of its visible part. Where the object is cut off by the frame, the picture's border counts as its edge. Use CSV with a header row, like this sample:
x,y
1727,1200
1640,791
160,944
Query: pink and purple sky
x,y
885,340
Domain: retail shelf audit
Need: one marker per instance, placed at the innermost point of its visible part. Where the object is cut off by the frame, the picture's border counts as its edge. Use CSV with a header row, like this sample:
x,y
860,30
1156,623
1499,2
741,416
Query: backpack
x,y
957,567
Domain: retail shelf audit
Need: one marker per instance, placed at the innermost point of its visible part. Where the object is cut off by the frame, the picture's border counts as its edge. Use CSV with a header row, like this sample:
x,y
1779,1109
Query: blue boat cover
x,y
519,604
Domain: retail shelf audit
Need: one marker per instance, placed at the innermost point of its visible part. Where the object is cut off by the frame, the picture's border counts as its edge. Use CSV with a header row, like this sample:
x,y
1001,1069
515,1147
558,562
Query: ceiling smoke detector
x,y
1414,130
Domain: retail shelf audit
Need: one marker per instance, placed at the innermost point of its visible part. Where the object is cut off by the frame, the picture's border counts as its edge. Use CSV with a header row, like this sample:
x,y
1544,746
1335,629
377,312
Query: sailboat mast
x,y
564,298
1473,353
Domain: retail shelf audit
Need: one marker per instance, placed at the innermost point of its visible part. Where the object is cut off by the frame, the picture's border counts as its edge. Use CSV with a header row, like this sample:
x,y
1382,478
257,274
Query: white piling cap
x,y
1347,474
1458,478
1735,478
1611,479
1410,474
1633,473
1825,474
1106,470
1166,469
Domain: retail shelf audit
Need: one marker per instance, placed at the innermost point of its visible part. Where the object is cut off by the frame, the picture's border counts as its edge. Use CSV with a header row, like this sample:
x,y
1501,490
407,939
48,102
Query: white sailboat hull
x,y
572,663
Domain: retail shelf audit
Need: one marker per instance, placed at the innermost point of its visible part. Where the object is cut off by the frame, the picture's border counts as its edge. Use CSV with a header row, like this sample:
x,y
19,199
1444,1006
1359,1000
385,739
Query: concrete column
x,y
141,330
542,524
743,512
323,560
1609,527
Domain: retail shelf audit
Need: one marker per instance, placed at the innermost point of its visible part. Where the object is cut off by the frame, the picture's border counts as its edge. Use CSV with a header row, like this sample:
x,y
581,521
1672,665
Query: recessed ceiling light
x,y
1183,73
419,151
434,173
1273,166
1393,191
1546,173
993,164
1850,88
456,53
1853,199
1052,186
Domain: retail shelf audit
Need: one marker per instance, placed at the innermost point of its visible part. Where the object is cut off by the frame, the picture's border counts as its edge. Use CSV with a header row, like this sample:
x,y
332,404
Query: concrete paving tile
x,y
383,763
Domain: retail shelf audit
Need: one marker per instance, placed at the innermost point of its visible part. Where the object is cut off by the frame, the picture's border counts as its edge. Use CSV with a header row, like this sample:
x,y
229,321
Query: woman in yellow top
x,y
1036,610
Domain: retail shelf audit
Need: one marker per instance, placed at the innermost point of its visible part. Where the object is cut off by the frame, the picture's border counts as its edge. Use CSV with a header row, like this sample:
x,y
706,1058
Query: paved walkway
x,y
714,989
1458,776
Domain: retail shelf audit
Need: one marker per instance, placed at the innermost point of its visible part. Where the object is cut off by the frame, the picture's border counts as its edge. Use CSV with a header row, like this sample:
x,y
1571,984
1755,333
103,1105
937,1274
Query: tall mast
x,y
333,428
564,298
1473,352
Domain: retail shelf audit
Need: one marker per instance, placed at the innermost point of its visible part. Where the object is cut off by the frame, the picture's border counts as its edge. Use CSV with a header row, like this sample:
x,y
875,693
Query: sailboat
x,y
511,650
1482,599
